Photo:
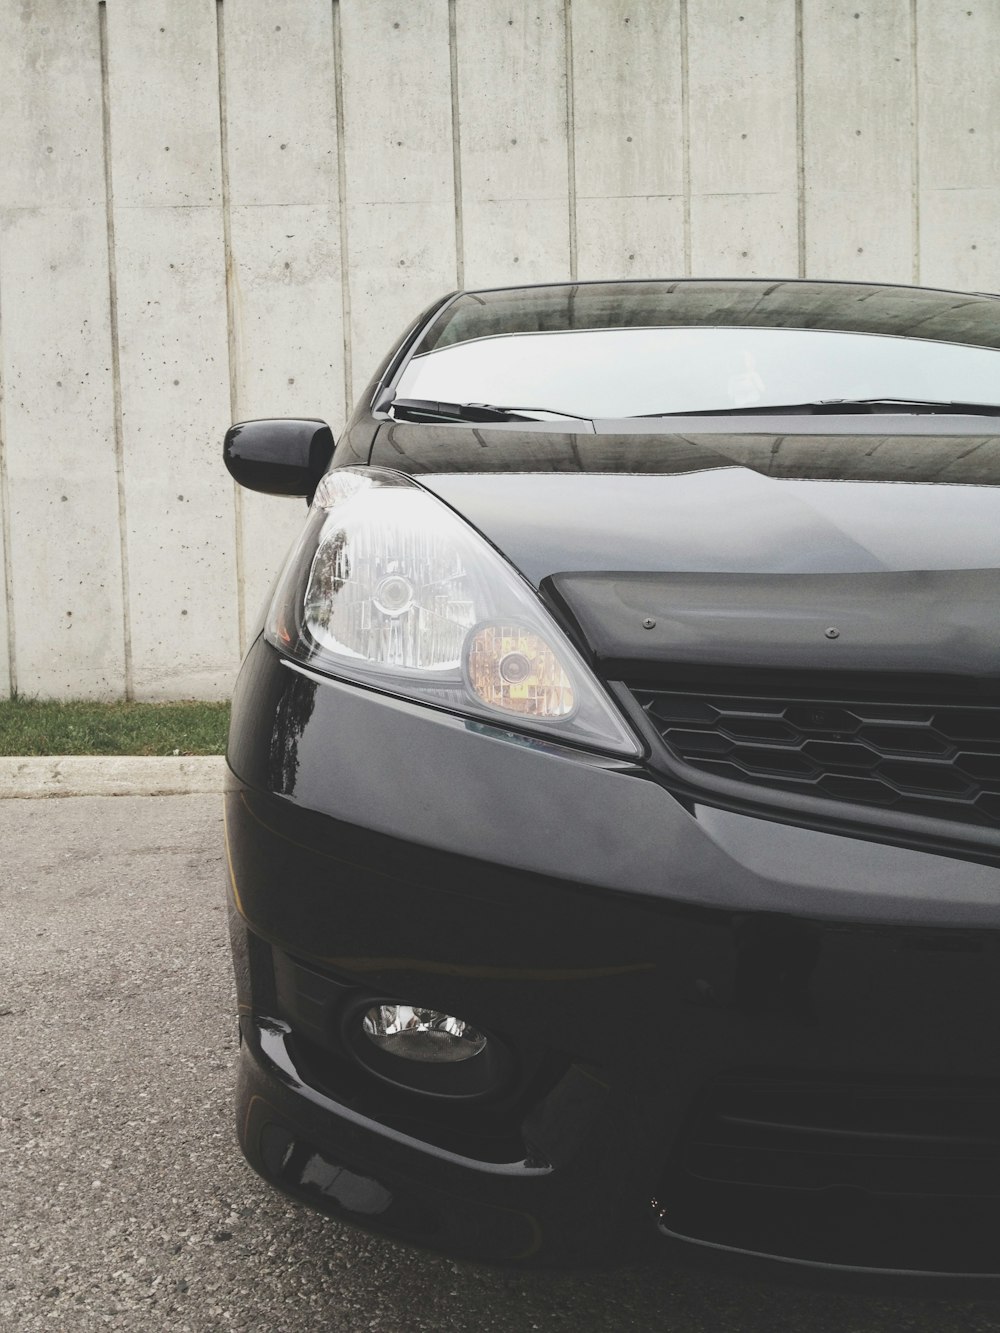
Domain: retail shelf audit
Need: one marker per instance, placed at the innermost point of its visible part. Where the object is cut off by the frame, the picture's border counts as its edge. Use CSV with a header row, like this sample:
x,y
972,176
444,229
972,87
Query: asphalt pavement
x,y
124,1202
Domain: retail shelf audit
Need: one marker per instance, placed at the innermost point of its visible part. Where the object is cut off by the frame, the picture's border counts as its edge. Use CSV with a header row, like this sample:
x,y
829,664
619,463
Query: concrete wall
x,y
216,209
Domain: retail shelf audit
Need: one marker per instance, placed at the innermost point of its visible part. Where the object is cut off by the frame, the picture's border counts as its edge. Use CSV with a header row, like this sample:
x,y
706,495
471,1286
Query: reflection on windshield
x,y
607,373
747,389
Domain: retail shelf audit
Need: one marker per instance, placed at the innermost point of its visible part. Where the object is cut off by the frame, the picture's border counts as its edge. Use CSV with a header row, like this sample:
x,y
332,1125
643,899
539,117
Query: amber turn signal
x,y
512,668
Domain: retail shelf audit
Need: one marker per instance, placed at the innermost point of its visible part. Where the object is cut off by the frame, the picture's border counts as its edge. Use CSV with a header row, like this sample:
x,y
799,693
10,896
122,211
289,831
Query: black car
x,y
614,798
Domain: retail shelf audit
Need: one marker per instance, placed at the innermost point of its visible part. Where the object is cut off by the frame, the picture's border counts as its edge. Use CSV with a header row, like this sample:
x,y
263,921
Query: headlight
x,y
389,588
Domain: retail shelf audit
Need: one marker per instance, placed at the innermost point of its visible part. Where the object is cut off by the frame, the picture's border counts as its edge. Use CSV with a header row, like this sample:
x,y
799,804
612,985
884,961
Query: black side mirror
x,y
284,456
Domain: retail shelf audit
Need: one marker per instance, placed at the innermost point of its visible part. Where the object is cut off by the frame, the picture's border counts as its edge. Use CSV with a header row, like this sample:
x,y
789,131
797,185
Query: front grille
x,y
936,759
860,1173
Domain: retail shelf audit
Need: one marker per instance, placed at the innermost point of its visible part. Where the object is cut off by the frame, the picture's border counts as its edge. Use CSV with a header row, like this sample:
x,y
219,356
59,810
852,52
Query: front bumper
x,y
654,969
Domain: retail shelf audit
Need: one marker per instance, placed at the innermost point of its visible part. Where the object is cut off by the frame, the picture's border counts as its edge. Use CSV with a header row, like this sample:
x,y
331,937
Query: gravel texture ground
x,y
124,1203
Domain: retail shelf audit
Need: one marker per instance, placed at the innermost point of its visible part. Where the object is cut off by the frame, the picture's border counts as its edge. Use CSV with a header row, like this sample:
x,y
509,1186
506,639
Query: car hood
x,y
888,495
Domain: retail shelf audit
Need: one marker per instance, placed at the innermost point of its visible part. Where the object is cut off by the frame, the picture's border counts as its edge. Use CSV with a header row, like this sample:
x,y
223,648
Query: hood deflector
x,y
936,623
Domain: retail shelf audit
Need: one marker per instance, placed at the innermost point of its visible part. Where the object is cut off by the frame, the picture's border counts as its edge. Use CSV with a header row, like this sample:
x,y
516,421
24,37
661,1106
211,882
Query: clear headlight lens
x,y
389,587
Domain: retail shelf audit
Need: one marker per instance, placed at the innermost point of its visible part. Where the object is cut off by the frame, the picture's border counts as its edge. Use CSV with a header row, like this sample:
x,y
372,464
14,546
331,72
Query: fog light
x,y
424,1050
424,1035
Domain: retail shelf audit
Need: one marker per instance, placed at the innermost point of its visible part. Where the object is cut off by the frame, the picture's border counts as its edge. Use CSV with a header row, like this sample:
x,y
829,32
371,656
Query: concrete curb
x,y
110,775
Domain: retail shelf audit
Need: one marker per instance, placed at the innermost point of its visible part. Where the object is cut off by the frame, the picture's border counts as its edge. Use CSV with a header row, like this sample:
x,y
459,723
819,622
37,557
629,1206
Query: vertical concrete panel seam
x,y
231,340
915,141
5,519
800,135
685,135
116,370
345,283
456,146
570,138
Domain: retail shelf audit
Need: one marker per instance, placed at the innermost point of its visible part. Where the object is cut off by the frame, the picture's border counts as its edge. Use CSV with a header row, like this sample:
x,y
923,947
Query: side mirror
x,y
284,456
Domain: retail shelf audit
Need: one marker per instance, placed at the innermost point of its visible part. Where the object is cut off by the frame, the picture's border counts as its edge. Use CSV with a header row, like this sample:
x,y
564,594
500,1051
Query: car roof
x,y
852,307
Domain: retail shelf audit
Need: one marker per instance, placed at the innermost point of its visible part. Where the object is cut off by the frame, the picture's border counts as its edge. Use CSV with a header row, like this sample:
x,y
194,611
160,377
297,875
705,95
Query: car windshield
x,y
636,372
609,352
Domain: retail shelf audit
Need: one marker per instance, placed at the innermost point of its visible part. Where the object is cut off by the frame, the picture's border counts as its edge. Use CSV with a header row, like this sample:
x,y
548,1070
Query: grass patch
x,y
40,727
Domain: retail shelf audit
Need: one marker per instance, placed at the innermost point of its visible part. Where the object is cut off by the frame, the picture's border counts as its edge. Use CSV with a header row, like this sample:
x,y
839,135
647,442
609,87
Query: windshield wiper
x,y
428,409
842,406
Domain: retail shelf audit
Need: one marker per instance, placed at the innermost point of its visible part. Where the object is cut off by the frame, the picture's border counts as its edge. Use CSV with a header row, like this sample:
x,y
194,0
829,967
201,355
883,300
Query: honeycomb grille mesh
x,y
939,760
